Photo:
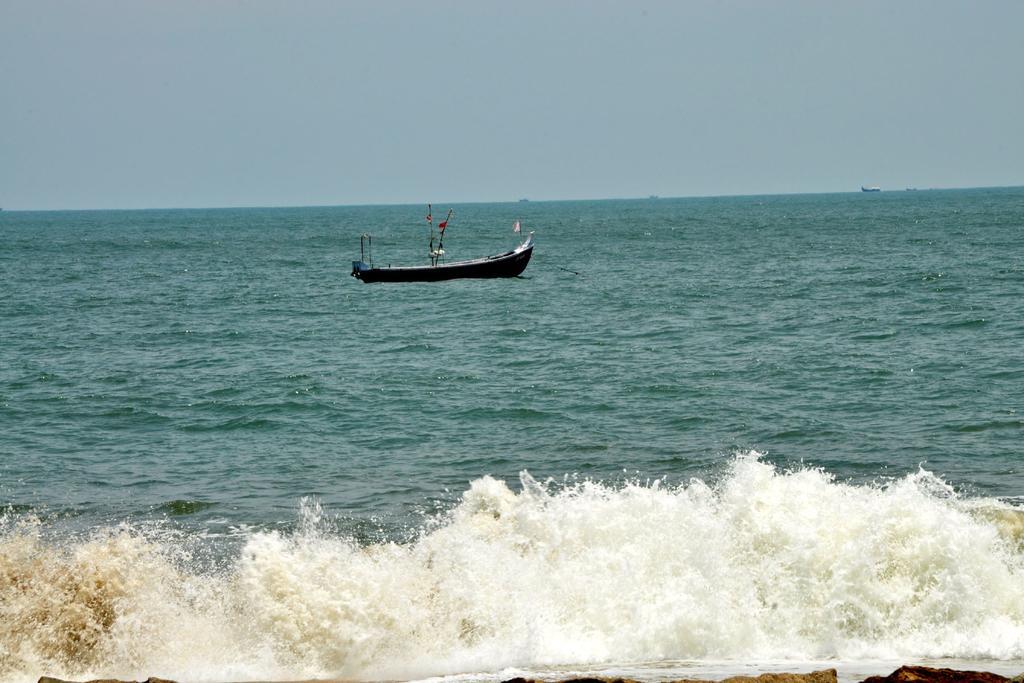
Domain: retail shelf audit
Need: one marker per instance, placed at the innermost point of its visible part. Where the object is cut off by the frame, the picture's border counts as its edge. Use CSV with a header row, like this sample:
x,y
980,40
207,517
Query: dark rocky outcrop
x,y
575,680
925,674
826,676
151,679
905,674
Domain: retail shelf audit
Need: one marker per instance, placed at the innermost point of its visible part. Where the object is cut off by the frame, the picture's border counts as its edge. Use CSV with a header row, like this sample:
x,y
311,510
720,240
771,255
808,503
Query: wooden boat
x,y
509,264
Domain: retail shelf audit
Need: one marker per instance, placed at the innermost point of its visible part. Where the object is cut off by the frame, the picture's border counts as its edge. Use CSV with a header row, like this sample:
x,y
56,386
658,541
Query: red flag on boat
x,y
515,227
444,224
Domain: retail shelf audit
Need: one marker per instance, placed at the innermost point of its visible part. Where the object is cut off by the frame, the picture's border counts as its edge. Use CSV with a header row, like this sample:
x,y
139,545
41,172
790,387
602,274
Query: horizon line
x,y
501,201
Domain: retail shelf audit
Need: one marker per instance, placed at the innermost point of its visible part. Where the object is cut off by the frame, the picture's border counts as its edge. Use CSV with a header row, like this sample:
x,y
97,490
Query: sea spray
x,y
763,564
114,604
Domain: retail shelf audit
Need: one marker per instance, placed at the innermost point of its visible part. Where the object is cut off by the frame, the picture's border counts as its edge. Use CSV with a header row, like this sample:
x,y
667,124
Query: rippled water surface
x,y
225,357
192,375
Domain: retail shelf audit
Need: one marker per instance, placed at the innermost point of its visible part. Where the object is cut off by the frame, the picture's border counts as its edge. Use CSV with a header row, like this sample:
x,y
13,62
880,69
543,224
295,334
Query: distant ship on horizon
x,y
872,188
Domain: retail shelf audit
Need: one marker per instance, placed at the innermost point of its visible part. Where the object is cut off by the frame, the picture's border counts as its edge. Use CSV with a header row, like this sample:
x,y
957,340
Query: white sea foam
x,y
764,566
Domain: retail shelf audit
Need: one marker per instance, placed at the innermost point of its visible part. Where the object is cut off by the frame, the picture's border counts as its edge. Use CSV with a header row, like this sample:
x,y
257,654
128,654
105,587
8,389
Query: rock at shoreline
x,y
825,676
151,679
925,674
905,674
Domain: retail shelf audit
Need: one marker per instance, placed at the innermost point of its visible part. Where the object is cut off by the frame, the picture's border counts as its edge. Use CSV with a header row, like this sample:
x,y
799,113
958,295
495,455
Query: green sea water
x,y
221,364
695,431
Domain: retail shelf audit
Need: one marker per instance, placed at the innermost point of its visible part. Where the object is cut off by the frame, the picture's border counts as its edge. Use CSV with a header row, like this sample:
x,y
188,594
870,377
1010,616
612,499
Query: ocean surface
x,y
697,435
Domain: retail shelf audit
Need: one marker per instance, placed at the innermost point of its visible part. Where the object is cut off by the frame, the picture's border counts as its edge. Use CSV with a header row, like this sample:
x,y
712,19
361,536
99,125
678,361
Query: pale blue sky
x,y
177,103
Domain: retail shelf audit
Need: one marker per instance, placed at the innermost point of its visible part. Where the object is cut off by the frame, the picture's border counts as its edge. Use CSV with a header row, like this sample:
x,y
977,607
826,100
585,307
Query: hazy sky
x,y
220,103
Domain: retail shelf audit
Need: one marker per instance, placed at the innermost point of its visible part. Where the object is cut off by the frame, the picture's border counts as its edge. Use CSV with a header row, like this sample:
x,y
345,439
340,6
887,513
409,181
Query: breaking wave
x,y
764,564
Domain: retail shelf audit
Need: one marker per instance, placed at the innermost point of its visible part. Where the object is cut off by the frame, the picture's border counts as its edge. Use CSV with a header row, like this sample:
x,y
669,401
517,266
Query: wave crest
x,y
764,564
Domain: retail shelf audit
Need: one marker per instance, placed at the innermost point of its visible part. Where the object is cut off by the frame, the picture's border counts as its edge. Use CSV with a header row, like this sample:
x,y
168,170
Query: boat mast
x,y
436,255
366,239
430,219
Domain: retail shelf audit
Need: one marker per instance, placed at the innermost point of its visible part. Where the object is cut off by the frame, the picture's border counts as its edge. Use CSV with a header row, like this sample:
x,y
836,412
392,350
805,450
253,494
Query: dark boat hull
x,y
509,264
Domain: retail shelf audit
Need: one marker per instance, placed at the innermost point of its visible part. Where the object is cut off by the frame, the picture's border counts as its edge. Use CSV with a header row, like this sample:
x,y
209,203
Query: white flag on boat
x,y
515,227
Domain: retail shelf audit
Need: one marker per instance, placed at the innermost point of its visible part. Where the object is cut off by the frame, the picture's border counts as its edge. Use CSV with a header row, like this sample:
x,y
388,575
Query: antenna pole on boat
x,y
430,219
365,237
440,244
